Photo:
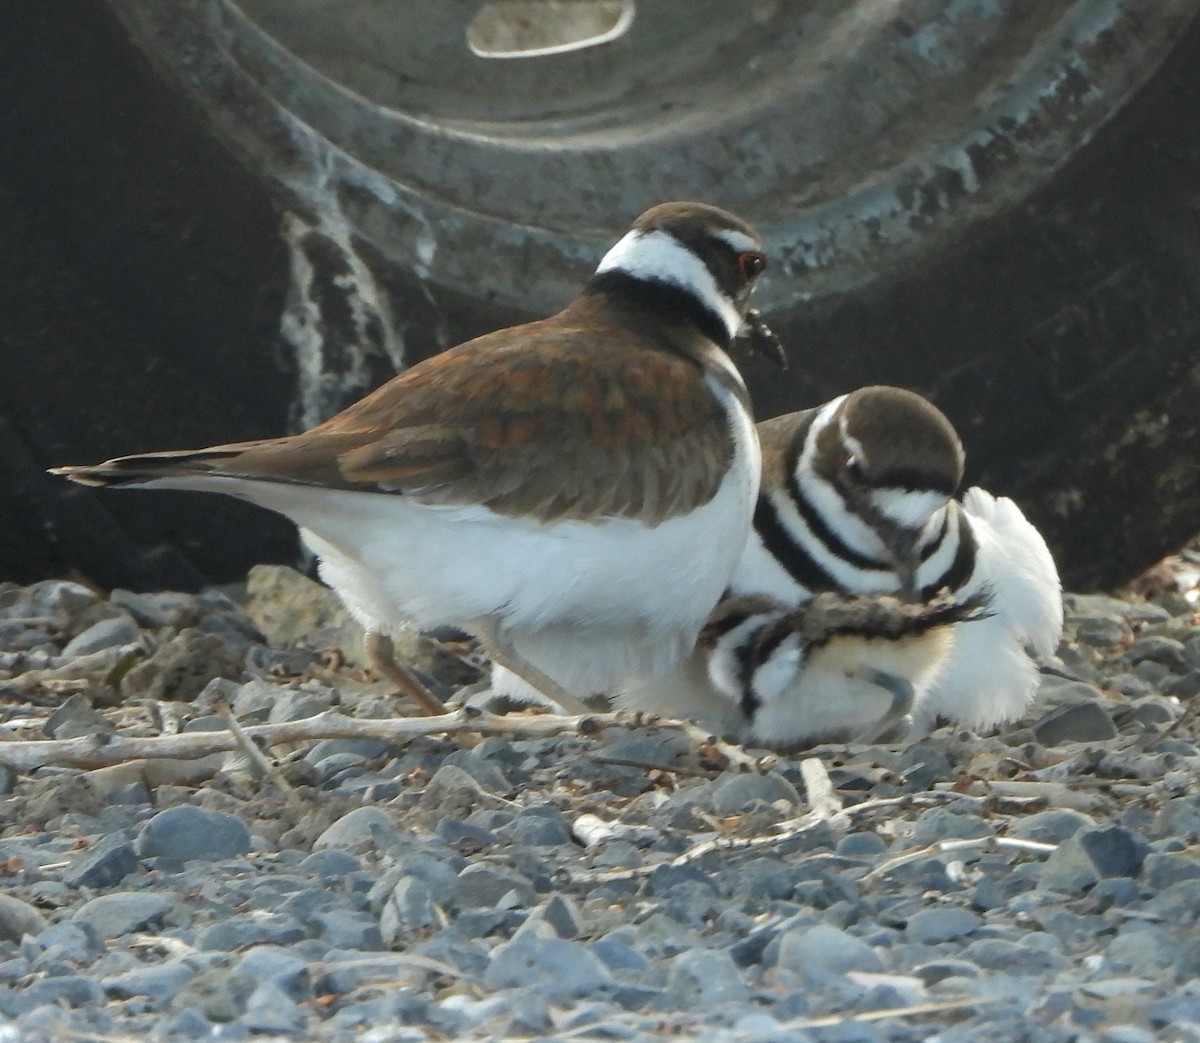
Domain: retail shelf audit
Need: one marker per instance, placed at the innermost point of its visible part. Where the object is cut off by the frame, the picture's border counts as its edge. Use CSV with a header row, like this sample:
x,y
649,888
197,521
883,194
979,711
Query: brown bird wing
x,y
548,420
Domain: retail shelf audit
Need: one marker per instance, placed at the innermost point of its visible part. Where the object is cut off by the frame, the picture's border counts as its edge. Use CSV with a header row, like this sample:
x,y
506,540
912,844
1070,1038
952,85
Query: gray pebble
x,y
1154,710
861,843
1144,949
160,982
158,610
1128,1034
67,990
941,924
1051,826
666,877
238,932
68,941
1086,721
297,704
331,863
75,717
1184,687
252,700
946,824
1056,690
825,949
938,970
368,749
539,826
348,929
620,957
264,963
762,877
923,765
482,769
558,967
1000,954
409,907
104,864
18,918
181,667
1153,672
187,832
121,912
732,793
107,633
1158,649
701,979
1090,855
1102,631
60,599
1160,871
356,827
483,886
560,914
270,1011
1130,685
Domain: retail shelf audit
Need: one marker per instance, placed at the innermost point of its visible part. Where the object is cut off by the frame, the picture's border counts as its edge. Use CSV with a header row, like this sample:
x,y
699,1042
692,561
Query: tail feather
x,y
147,467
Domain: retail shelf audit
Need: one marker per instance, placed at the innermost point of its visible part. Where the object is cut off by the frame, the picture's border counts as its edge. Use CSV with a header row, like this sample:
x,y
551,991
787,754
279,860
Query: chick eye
x,y
854,468
751,264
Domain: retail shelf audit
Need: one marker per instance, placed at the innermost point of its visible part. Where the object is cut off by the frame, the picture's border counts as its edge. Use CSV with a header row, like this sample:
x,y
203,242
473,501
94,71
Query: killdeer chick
x,y
856,497
575,491
836,667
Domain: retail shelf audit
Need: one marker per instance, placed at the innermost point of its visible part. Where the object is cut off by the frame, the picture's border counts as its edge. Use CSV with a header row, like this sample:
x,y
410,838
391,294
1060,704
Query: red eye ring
x,y
752,264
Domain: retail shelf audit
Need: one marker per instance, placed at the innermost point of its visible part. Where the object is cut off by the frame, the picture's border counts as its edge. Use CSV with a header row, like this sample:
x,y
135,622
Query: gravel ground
x,y
625,883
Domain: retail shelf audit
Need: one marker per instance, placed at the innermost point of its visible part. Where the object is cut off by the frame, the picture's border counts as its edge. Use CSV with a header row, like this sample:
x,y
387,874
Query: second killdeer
x,y
857,498
575,491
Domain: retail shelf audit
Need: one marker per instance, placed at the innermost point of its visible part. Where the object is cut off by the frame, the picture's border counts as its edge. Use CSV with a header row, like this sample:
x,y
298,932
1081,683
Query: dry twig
x,y
780,833
257,758
948,847
100,751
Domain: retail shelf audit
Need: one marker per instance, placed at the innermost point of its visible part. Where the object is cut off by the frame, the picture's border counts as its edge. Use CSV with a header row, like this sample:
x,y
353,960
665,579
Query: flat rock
x,y
1085,721
121,912
188,832
362,824
701,979
483,886
825,949
1052,826
559,967
732,793
104,864
107,633
1159,649
182,667
941,924
18,918
1090,855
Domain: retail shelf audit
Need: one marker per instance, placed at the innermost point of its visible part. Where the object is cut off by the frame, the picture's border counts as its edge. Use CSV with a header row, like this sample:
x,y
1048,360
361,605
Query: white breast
x,y
990,677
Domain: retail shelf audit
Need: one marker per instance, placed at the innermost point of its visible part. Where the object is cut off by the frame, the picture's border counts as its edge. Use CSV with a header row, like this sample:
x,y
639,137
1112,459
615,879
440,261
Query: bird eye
x,y
751,264
854,468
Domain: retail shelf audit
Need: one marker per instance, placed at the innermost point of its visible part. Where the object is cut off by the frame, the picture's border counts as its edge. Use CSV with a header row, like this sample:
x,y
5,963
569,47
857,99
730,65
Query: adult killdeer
x,y
575,491
836,667
856,497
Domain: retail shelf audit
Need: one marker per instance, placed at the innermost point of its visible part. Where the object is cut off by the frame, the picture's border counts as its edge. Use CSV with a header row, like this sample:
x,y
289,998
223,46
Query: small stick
x,y
885,1014
946,847
779,833
102,750
256,756
822,797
